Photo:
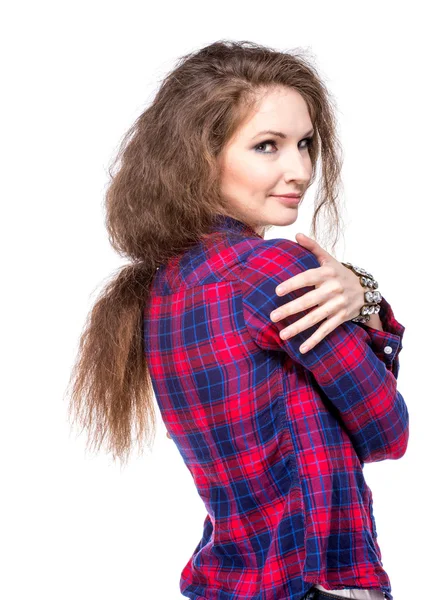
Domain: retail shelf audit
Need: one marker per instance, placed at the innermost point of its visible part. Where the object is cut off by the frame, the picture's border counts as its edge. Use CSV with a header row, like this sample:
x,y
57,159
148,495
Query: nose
x,y
297,166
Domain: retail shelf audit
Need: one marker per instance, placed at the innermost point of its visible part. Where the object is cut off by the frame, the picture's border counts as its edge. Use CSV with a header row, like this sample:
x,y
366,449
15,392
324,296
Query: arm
x,y
344,364
389,335
375,322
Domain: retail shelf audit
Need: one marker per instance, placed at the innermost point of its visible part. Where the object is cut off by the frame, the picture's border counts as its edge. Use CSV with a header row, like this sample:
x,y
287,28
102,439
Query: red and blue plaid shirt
x,y
275,440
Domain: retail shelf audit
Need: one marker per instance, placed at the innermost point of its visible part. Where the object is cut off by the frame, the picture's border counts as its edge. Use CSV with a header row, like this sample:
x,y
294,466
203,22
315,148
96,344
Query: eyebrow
x,y
279,133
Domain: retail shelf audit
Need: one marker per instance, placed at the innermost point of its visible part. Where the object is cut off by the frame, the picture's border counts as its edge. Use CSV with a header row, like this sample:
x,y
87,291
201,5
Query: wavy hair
x,y
163,196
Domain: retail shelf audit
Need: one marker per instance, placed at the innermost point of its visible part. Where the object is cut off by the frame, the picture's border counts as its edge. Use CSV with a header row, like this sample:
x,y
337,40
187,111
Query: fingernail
x,y
303,348
280,290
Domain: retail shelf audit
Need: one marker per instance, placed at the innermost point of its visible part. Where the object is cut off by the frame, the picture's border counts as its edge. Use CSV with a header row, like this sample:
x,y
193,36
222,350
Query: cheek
x,y
256,175
248,174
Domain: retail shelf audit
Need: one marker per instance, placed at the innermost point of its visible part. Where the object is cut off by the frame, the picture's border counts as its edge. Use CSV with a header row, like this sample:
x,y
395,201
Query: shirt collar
x,y
230,223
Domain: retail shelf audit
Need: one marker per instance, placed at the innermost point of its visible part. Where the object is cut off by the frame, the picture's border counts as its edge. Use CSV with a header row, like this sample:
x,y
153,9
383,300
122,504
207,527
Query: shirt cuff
x,y
387,344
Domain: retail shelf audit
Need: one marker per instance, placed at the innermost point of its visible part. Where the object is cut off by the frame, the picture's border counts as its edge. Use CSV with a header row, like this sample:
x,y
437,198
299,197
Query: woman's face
x,y
256,166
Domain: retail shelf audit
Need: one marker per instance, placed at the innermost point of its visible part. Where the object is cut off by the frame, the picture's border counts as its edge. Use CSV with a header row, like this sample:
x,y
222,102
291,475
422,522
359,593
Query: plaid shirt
x,y
275,440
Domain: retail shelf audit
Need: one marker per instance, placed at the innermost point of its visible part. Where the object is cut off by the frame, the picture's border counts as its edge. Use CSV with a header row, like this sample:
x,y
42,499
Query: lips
x,y
291,200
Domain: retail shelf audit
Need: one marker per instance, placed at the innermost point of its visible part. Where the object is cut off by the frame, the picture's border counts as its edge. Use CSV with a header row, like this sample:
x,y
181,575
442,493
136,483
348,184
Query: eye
x,y
308,141
267,142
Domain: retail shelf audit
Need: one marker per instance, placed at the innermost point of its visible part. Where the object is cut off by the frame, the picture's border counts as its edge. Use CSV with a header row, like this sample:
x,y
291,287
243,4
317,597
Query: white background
x,y
75,76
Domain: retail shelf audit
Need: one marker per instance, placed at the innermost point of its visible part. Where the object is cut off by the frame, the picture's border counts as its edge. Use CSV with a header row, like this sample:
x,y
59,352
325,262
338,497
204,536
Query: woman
x,y
275,436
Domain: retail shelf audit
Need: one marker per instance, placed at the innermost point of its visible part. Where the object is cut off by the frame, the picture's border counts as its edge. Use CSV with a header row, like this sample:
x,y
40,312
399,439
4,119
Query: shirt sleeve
x,y
387,344
345,364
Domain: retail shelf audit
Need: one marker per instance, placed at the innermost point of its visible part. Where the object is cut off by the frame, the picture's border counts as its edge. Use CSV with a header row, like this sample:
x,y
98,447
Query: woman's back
x,y
275,440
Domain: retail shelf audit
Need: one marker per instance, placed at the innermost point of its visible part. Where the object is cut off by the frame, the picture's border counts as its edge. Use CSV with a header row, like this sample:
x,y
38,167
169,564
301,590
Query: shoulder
x,y
277,257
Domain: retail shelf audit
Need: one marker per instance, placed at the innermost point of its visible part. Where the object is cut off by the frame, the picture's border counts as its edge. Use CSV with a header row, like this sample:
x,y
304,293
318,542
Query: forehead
x,y
281,109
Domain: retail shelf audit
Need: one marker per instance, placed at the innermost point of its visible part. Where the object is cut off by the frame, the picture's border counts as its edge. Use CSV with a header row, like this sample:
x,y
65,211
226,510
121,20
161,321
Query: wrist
x,y
375,322
372,297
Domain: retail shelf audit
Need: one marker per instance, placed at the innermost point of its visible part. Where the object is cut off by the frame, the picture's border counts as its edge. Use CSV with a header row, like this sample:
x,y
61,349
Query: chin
x,y
285,217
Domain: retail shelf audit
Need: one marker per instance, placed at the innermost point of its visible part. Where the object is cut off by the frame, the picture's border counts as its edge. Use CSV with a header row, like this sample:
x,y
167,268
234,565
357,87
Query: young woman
x,y
275,436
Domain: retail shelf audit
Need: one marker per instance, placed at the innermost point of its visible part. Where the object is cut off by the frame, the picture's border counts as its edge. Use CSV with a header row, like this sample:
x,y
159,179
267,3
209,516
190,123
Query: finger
x,y
321,333
301,237
313,246
327,311
308,300
308,278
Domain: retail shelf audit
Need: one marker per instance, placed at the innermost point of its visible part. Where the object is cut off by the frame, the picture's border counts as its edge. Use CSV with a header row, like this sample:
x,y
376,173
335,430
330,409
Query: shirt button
x,y
387,349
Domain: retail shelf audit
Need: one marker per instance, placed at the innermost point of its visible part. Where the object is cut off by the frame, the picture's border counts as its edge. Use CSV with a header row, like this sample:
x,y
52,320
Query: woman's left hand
x,y
339,296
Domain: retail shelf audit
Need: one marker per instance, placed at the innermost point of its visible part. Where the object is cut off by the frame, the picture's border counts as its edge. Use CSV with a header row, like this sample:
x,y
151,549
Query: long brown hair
x,y
163,196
